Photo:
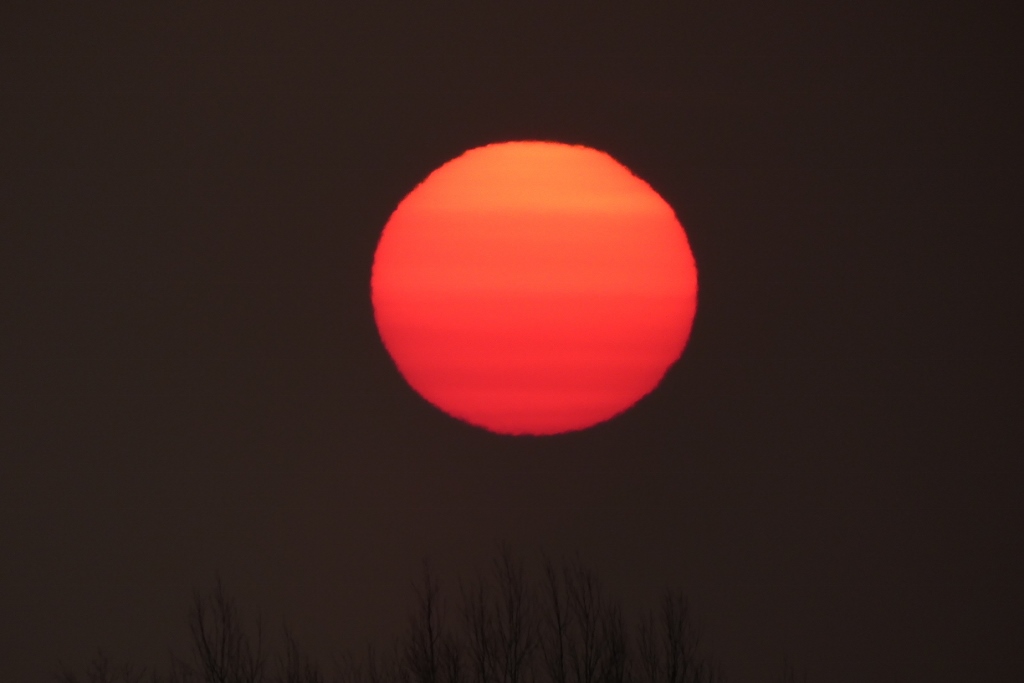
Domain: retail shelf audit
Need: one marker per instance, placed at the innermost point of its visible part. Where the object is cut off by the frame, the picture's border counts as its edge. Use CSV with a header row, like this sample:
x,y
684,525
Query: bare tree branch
x,y
426,631
510,629
221,650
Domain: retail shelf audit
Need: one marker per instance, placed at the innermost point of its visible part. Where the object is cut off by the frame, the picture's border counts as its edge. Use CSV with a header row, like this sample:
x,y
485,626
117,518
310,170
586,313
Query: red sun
x,y
533,287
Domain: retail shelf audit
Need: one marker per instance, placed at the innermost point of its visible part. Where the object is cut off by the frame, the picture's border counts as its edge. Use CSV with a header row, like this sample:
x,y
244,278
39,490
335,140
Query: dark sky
x,y
191,382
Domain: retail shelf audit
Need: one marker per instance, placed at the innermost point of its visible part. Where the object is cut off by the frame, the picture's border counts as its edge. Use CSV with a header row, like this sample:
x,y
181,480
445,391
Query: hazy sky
x,y
191,382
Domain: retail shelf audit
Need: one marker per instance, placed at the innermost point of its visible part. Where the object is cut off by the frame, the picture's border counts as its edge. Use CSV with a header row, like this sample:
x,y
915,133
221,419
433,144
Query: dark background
x,y
191,382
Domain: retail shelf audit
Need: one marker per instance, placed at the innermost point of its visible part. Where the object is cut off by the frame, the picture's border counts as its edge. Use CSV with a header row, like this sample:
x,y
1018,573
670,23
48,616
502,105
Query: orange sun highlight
x,y
533,287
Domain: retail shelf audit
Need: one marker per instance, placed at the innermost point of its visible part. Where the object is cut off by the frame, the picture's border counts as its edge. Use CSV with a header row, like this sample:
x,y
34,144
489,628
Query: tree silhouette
x,y
222,651
506,625
789,673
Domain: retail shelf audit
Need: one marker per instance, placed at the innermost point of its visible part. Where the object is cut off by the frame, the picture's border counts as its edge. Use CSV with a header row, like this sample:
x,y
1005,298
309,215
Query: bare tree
x,y
789,673
556,621
425,643
510,629
669,646
515,621
222,652
618,655
101,670
294,666
452,660
349,668
478,631
383,668
586,607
